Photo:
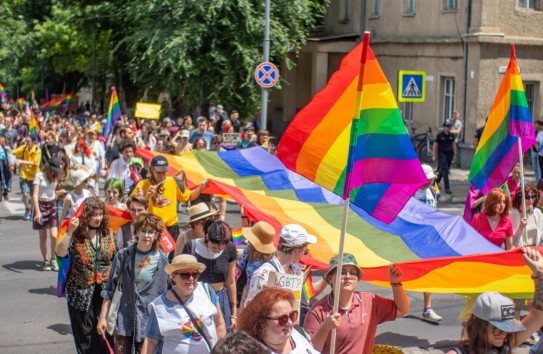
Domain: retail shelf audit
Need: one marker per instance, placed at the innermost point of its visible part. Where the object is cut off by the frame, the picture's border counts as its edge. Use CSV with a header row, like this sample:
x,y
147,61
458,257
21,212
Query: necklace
x,y
493,222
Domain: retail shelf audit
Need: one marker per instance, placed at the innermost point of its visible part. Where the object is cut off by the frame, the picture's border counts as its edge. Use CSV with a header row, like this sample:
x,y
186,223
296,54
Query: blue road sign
x,y
266,74
411,86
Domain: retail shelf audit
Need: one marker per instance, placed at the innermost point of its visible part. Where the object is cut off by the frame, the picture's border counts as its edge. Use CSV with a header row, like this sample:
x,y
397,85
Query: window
x,y
376,11
344,11
448,96
530,88
410,7
450,5
528,4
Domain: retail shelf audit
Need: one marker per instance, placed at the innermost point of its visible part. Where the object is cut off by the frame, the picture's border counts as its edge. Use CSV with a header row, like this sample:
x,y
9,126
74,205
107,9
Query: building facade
x,y
462,45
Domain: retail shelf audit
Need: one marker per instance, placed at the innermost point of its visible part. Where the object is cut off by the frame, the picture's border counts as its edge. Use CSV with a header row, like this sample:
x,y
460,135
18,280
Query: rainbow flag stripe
x,y
57,102
113,113
237,237
308,292
437,252
508,121
356,157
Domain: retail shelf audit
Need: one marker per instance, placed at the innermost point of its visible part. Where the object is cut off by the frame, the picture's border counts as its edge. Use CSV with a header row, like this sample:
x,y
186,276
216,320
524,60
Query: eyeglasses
x,y
283,320
351,274
188,275
496,331
147,232
531,197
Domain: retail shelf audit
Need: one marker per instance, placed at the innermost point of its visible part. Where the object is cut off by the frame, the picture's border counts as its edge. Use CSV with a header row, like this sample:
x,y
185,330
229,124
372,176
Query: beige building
x,y
462,45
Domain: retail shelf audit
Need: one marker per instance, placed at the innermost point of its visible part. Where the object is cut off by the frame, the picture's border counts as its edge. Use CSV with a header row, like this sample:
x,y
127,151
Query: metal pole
x,y
264,102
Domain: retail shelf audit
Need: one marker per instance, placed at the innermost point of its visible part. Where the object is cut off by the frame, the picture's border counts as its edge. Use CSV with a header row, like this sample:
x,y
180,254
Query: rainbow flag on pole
x,y
3,92
33,127
113,113
508,121
308,292
61,101
356,156
237,237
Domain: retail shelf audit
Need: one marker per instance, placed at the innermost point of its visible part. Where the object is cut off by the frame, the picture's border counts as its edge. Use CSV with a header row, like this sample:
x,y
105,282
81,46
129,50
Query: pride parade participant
x,y
164,192
359,312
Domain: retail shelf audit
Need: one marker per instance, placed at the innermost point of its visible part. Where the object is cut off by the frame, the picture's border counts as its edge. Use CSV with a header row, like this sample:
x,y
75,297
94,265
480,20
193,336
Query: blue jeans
x,y
535,164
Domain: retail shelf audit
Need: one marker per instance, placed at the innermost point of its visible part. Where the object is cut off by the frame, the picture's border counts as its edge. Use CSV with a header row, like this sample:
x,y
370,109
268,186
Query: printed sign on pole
x,y
411,86
266,74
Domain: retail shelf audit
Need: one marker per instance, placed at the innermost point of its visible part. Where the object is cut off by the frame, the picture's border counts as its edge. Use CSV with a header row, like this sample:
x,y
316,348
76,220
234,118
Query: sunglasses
x,y
497,332
188,275
531,197
283,320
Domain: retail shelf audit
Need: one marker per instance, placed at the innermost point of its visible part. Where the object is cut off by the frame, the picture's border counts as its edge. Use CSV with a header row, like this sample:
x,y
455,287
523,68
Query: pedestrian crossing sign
x,y
411,86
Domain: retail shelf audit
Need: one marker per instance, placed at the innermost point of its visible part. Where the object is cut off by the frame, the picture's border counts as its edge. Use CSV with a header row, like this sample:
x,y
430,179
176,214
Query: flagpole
x,y
339,269
521,162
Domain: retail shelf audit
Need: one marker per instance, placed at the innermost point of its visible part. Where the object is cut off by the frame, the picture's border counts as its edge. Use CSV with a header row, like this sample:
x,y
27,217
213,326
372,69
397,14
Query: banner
x,y
147,110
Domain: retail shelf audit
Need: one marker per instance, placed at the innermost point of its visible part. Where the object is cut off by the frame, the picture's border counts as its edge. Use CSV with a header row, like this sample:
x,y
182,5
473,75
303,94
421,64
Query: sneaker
x,y
448,191
54,266
47,265
27,215
431,315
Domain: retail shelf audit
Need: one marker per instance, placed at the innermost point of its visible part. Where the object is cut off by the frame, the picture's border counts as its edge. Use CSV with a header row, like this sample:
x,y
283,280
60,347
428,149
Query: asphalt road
x,y
34,320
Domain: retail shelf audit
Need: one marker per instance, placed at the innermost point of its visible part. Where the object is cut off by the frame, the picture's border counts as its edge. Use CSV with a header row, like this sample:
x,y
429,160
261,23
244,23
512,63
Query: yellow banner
x,y
147,110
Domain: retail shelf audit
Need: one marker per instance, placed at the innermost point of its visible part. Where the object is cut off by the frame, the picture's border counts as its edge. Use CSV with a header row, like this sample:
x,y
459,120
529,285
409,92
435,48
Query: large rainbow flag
x,y
3,92
113,113
437,252
509,120
33,127
358,157
57,102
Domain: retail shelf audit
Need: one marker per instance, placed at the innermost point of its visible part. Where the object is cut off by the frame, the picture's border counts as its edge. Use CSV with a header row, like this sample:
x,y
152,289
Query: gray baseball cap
x,y
499,310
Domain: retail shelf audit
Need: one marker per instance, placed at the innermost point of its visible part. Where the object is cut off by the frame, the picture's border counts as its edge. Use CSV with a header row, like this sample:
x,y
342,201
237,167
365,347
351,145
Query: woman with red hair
x,y
494,222
270,319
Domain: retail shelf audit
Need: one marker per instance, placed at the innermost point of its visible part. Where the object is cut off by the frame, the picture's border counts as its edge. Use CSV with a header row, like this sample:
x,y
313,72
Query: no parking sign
x,y
266,74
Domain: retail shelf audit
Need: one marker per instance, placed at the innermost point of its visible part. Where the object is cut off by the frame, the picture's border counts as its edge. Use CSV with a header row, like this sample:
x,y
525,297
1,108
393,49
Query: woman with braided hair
x,y
140,269
91,245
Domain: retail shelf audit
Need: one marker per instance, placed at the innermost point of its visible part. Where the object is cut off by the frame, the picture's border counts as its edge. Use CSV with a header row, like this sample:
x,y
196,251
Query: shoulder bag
x,y
193,320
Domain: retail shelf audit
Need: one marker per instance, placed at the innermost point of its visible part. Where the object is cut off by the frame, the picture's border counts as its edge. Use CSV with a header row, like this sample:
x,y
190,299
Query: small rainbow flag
x,y
237,237
57,102
308,292
113,113
508,121
3,92
34,128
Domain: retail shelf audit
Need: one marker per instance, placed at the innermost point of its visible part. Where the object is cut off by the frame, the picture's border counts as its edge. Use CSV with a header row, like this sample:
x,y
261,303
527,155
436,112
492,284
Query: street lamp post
x,y
264,102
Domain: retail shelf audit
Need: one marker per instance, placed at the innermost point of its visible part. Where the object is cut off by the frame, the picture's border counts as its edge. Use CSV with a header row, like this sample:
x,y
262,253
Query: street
x,y
36,321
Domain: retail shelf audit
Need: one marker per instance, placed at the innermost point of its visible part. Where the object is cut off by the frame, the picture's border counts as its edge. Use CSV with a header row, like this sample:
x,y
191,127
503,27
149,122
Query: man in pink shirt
x,y
359,312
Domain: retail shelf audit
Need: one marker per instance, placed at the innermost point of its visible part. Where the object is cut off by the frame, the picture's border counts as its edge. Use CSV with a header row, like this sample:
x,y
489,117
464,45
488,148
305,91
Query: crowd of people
x,y
208,296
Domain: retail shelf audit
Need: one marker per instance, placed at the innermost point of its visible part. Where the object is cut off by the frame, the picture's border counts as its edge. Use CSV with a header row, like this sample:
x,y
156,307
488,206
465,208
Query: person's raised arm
x,y
61,248
195,193
400,297
65,207
534,320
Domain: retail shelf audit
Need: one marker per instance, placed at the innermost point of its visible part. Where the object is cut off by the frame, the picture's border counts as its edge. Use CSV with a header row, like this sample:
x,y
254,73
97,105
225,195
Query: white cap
x,y
428,171
295,235
185,133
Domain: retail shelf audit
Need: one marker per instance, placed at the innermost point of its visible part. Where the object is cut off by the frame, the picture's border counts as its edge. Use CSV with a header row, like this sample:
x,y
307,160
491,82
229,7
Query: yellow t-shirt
x,y
164,205
28,172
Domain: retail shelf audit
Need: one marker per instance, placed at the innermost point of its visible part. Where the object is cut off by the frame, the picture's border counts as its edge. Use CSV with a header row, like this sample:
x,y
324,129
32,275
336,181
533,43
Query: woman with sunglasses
x,y
186,318
140,269
494,222
270,318
359,312
492,327
219,255
528,232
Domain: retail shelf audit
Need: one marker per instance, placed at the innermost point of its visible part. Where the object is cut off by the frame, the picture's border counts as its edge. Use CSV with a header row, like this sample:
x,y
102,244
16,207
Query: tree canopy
x,y
198,51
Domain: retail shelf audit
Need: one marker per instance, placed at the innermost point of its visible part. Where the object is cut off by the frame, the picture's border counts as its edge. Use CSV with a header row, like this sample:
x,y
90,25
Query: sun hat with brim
x,y
80,175
183,262
498,310
260,235
428,171
200,211
348,259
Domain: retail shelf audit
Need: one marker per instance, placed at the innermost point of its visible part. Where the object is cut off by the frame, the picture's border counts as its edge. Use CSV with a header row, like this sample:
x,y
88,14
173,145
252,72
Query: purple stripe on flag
x,y
390,170
392,201
501,171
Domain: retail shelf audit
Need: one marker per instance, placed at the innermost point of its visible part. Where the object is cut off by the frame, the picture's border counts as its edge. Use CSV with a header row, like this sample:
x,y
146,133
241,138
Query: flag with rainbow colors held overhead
x,y
61,101
33,127
113,113
509,120
368,158
3,92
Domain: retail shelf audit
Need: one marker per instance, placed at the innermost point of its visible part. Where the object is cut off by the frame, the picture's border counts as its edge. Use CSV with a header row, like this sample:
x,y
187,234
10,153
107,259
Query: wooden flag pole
x,y
521,162
339,268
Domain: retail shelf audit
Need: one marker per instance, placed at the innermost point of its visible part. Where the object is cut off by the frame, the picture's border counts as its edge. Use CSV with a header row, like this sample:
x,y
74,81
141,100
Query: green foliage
x,y
197,50
385,349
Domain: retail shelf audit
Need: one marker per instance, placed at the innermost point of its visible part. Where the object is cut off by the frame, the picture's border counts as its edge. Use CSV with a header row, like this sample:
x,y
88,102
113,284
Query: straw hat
x,y
199,211
184,261
260,236
79,175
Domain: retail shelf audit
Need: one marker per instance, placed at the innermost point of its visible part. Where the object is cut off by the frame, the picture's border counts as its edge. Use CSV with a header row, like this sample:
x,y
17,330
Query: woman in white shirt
x,y
44,201
533,223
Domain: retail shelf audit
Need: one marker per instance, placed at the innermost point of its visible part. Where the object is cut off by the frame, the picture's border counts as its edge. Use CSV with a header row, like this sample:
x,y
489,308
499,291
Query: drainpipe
x,y
466,75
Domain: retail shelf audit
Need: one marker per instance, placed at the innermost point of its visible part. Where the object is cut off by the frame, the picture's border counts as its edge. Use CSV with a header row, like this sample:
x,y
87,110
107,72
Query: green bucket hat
x,y
136,161
348,259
